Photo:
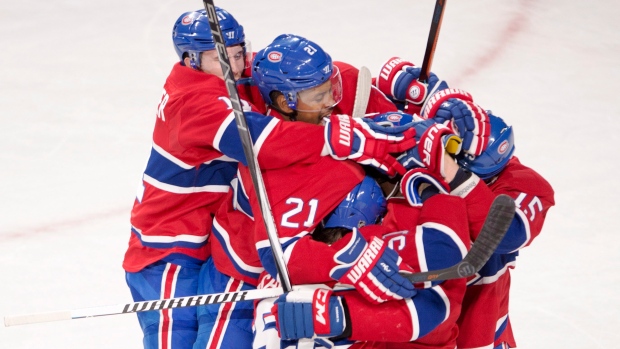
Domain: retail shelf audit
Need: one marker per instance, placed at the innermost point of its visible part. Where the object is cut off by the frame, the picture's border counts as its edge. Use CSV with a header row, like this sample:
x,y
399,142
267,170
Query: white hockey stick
x,y
362,93
495,226
158,304
128,308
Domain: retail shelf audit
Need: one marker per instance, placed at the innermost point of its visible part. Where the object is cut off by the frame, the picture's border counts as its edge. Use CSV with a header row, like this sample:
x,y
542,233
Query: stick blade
x,y
495,227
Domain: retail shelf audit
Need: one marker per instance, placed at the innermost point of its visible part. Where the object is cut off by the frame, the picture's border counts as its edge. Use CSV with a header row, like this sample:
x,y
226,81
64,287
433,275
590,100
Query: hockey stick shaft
x,y
362,92
153,305
431,44
495,227
248,148
129,308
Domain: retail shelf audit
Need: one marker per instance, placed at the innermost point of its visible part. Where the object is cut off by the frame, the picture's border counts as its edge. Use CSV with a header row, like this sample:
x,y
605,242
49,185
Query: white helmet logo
x,y
503,147
187,20
274,56
394,117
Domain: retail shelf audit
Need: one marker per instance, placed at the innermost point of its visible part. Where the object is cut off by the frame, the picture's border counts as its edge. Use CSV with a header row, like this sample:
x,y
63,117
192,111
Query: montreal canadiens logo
x,y
186,20
394,117
414,92
274,56
503,147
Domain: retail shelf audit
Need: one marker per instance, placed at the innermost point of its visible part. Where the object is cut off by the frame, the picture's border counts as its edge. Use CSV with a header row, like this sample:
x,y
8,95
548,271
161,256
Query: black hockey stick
x,y
498,221
431,44
248,148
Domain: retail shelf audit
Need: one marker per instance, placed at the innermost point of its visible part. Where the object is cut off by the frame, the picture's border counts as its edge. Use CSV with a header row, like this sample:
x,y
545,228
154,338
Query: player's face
x,y
318,102
315,104
210,63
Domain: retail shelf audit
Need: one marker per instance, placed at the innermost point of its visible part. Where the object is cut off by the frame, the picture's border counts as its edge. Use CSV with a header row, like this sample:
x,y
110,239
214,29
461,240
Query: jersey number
x,y
299,205
532,207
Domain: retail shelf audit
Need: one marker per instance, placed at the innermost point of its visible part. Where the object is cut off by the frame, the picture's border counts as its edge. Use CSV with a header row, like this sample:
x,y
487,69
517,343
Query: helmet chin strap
x,y
291,115
194,60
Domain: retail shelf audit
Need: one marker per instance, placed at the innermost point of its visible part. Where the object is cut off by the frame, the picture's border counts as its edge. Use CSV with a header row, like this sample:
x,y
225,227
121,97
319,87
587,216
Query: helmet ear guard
x,y
498,153
191,34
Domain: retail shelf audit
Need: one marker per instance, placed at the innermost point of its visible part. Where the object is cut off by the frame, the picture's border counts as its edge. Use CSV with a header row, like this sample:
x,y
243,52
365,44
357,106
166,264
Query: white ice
x,y
79,85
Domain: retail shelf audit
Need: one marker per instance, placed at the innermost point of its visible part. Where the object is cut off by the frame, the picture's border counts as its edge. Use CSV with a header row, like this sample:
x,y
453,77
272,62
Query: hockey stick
x,y
362,93
431,44
494,228
129,308
498,221
158,304
248,149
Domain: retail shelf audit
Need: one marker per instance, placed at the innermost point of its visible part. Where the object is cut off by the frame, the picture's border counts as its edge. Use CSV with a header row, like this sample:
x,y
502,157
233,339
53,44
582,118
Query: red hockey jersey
x,y
484,320
234,252
430,237
193,159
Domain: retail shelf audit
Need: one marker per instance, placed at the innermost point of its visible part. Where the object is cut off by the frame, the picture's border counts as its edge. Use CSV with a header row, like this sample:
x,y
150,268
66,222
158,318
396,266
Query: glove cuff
x,y
463,183
434,101
348,329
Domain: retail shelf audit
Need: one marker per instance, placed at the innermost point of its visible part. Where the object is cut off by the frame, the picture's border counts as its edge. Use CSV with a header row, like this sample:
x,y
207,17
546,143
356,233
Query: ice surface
x,y
79,85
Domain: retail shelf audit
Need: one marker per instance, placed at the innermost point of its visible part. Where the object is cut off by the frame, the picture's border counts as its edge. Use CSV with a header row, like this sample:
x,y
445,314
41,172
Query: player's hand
x,y
456,109
354,139
433,142
398,80
311,313
373,268
419,184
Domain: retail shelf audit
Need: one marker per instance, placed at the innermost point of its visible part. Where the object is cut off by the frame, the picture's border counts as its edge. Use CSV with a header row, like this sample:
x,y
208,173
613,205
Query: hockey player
x,y
193,159
235,264
484,321
429,229
291,99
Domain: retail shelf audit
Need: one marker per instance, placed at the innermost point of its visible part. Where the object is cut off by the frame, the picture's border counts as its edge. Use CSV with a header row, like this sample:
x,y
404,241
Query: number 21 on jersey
x,y
291,218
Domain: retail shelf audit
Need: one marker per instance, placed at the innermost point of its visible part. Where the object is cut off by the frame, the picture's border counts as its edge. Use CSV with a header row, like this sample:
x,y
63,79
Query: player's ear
x,y
281,104
186,61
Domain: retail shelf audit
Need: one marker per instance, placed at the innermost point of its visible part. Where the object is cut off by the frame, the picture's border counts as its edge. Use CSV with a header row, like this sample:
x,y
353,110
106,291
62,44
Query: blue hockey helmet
x,y
364,205
191,34
393,119
499,151
292,64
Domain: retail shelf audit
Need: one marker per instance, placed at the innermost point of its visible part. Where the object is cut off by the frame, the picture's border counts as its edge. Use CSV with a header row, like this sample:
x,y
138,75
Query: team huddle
x,y
358,202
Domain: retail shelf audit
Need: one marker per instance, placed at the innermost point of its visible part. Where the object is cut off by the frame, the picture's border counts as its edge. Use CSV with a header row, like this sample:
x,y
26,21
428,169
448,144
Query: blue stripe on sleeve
x,y
515,237
166,169
431,309
265,253
242,202
222,236
230,142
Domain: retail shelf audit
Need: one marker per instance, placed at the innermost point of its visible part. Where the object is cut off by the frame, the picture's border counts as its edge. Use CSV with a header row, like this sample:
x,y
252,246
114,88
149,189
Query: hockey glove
x,y
398,80
433,142
312,314
456,109
354,139
373,268
420,184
